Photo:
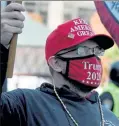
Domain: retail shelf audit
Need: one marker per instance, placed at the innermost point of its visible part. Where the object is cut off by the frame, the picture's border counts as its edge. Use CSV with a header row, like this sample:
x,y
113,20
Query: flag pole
x,y
12,53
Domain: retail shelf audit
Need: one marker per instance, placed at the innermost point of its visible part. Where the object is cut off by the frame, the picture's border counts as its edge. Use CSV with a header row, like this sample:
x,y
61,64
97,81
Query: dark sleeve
x,y
3,64
107,100
13,108
3,67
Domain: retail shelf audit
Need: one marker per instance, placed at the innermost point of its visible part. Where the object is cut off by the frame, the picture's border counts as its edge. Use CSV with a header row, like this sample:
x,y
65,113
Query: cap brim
x,y
103,41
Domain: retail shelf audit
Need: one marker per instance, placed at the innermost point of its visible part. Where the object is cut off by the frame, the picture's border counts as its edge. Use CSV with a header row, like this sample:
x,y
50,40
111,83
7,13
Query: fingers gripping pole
x,y
12,52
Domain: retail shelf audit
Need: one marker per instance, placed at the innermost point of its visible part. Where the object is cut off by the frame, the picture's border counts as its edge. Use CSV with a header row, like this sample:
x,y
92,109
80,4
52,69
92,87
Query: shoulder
x,y
16,95
24,93
106,96
20,97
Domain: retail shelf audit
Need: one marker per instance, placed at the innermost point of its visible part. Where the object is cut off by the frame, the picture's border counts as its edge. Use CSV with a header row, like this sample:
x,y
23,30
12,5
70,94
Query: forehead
x,y
87,43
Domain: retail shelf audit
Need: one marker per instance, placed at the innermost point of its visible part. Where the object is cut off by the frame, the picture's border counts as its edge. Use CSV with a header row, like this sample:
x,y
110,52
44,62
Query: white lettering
x,y
82,21
79,33
80,28
85,64
79,21
77,28
89,76
94,76
72,30
76,22
90,66
87,33
98,67
84,33
98,76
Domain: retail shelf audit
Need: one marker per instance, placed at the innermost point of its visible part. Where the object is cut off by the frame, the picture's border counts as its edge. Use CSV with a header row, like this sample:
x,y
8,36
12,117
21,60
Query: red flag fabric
x,y
109,15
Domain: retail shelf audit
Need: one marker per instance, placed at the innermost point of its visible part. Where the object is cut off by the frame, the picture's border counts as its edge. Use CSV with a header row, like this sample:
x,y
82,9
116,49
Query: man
x,y
72,52
110,95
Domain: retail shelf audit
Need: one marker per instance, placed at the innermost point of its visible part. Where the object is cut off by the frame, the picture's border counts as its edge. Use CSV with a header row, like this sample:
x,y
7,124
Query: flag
x,y
109,15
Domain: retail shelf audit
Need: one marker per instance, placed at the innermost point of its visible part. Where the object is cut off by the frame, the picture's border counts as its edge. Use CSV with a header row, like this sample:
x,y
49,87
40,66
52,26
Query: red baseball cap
x,y
72,33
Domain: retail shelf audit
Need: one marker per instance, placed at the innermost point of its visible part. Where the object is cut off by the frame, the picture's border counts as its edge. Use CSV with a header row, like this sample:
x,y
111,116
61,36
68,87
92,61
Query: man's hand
x,y
11,22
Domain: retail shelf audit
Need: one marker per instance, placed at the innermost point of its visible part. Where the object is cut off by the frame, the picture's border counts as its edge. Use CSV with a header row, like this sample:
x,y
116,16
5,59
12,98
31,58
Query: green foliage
x,y
112,53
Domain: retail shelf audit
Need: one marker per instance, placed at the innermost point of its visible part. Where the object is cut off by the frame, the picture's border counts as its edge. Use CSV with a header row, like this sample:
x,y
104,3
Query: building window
x,y
85,13
30,6
29,3
43,5
44,15
43,11
68,10
30,10
67,17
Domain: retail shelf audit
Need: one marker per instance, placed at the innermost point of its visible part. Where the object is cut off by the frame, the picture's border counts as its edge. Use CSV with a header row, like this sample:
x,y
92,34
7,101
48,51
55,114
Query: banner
x,y
109,15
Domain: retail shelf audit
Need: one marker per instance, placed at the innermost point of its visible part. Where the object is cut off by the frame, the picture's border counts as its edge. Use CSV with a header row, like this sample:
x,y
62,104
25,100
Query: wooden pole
x,y
12,53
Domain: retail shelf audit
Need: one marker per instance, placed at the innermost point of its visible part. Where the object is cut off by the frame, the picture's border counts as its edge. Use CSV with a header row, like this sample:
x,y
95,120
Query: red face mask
x,y
86,70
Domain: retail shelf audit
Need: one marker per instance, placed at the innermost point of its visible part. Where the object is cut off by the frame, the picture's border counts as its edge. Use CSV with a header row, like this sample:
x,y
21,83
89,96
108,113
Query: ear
x,y
54,64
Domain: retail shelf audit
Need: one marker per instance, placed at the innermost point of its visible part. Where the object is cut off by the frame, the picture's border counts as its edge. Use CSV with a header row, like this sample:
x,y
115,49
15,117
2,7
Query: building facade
x,y
54,13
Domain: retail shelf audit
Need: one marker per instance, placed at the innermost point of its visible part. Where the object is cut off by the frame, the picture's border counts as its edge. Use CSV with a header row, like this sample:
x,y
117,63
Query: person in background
x,y
72,53
110,95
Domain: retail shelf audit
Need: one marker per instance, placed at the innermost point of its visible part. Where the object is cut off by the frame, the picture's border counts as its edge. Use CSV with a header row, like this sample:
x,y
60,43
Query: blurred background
x,y
30,69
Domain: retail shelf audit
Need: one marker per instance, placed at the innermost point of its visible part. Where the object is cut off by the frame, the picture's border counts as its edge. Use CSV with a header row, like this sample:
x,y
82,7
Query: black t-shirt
x,y
40,107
